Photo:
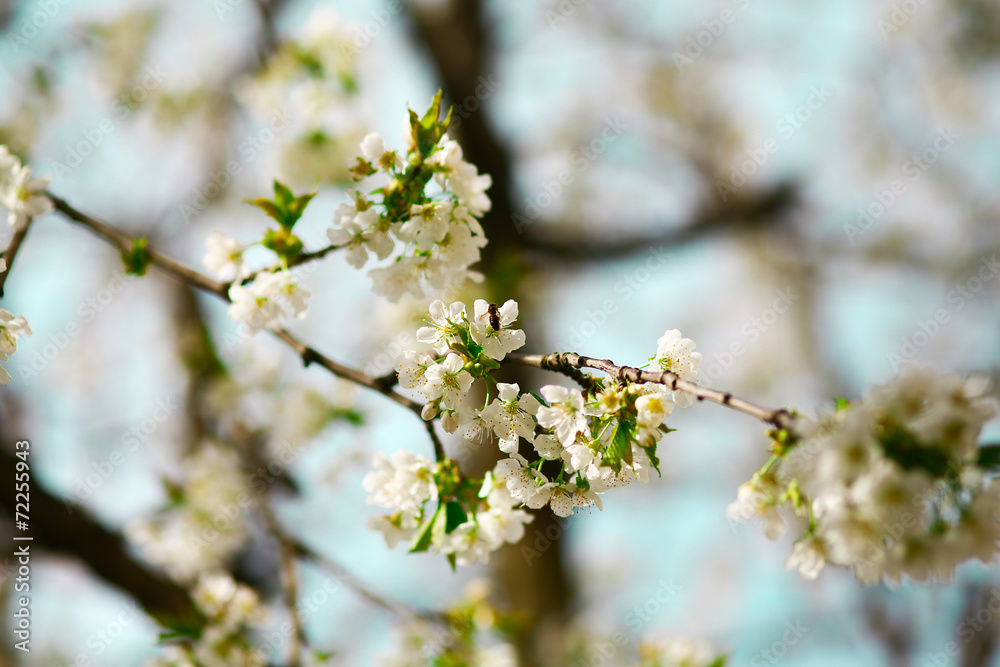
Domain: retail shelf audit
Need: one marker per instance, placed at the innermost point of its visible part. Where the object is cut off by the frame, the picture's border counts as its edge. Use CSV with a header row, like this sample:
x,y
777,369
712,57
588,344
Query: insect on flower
x,y
494,317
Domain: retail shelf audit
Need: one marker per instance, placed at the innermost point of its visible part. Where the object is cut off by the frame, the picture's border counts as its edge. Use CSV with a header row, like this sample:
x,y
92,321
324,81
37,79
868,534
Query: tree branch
x,y
740,215
308,354
11,252
569,363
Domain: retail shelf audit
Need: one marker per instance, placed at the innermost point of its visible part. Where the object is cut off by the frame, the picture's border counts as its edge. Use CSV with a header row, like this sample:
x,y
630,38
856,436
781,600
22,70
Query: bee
x,y
494,317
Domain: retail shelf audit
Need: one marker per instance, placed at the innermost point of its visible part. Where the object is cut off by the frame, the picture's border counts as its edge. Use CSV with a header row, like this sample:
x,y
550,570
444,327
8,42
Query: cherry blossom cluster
x,y
893,486
432,234
581,443
424,216
23,195
229,610
464,525
203,523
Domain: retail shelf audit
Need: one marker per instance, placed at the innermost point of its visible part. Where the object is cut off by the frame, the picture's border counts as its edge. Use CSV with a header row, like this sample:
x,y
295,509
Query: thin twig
x,y
304,258
568,364
11,252
334,568
309,354
289,584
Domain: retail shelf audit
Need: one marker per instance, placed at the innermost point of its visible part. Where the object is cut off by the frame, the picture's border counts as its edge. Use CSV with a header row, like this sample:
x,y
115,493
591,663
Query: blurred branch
x,y
568,364
741,215
897,637
289,585
268,39
102,551
980,649
11,252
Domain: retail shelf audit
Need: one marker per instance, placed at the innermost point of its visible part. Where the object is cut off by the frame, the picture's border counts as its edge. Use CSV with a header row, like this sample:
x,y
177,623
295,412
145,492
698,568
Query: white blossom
x,y
412,370
22,194
447,322
448,382
808,557
759,498
225,257
373,150
496,343
462,178
405,481
511,416
676,354
565,413
427,225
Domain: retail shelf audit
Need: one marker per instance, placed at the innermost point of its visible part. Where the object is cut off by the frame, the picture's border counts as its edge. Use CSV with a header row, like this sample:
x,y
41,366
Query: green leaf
x,y
422,541
427,131
432,113
841,403
654,460
620,448
440,523
268,207
282,195
136,259
719,662
989,457
455,516
452,561
298,206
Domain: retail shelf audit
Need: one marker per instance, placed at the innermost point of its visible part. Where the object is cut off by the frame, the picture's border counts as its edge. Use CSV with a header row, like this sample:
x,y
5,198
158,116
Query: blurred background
x,y
808,190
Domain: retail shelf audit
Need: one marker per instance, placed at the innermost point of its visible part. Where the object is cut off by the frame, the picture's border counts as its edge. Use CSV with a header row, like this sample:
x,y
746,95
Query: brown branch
x,y
308,354
334,568
289,584
84,538
11,252
304,258
740,215
568,363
